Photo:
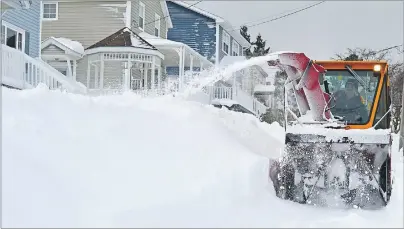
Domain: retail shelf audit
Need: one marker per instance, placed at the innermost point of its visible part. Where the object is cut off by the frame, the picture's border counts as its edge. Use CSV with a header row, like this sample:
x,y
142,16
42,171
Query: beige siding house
x,y
113,45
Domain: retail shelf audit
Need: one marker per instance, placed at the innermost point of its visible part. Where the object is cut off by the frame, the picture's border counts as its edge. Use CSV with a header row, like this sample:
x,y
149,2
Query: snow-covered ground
x,y
125,161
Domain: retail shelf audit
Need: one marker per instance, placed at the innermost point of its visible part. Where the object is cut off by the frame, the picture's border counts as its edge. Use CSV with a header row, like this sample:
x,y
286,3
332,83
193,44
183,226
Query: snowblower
x,y
338,138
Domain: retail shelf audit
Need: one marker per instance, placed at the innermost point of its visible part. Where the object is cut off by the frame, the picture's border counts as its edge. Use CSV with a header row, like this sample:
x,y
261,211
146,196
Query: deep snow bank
x,y
71,161
124,161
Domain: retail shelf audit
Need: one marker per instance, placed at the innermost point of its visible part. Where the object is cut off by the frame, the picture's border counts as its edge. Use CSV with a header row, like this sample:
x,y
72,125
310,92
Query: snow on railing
x,y
248,101
142,92
237,94
21,71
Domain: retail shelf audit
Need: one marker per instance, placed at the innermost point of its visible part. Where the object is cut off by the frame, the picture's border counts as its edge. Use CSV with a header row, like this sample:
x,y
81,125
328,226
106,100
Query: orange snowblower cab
x,y
372,90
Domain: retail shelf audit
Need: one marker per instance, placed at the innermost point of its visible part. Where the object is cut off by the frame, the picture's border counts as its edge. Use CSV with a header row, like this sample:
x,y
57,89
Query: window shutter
x,y
27,42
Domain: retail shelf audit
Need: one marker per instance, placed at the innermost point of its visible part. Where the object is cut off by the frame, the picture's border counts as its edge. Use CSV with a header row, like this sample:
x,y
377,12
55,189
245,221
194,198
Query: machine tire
x,y
385,177
287,180
283,180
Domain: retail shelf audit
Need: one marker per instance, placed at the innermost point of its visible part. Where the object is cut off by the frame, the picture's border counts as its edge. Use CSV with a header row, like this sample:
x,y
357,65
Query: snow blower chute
x,y
338,141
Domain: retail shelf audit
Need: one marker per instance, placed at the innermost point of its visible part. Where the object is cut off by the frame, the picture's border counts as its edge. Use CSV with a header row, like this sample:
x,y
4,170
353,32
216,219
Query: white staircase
x,y
20,71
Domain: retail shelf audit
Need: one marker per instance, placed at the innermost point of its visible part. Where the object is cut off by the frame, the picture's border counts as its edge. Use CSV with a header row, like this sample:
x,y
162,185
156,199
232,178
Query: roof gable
x,y
124,37
235,33
65,44
199,11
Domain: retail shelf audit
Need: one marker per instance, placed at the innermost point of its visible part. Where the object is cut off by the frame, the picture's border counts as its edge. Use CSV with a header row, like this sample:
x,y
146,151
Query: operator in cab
x,y
349,104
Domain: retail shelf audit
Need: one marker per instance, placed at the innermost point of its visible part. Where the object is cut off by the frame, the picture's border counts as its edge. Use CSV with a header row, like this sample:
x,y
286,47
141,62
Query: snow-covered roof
x,y
65,44
124,37
73,45
124,40
159,43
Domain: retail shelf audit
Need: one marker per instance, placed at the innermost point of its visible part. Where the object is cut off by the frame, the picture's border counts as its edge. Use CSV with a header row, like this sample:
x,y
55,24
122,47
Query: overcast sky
x,y
322,30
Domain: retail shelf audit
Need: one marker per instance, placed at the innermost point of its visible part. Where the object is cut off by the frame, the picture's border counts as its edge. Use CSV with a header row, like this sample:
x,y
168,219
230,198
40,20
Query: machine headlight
x,y
377,68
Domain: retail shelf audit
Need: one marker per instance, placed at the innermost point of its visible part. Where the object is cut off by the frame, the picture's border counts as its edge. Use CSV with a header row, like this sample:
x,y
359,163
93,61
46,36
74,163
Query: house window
x,y
142,12
235,48
226,42
13,36
50,11
157,25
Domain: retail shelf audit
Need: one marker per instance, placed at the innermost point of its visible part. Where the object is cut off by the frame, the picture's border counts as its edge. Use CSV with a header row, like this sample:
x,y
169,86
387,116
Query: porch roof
x,y
73,49
124,37
171,50
124,40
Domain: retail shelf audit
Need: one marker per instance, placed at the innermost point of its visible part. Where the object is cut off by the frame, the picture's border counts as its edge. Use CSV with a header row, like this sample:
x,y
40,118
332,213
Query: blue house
x,y
211,36
20,25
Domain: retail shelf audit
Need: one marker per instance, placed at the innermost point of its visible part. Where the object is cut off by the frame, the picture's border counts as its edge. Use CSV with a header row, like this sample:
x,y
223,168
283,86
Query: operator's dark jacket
x,y
350,109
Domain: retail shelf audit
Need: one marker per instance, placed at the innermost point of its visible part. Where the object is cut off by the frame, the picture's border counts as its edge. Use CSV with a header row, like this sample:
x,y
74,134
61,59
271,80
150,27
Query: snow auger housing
x,y
338,141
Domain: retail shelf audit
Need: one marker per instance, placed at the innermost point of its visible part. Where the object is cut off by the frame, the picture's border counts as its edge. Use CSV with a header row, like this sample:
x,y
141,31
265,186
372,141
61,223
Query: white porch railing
x,y
249,102
18,70
139,91
219,92
237,94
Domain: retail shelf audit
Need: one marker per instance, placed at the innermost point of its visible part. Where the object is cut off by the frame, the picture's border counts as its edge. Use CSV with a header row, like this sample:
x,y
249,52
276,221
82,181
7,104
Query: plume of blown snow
x,y
211,76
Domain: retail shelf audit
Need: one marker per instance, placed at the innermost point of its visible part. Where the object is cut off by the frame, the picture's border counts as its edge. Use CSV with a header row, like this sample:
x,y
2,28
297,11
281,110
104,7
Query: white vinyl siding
x,y
226,42
142,15
50,11
157,25
235,48
13,36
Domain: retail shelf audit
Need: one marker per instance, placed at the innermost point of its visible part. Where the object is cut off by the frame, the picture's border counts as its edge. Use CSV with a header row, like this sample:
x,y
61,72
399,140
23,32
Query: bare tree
x,y
363,54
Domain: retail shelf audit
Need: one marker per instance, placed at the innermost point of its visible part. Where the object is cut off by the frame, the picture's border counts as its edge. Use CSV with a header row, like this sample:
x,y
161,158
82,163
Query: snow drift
x,y
127,161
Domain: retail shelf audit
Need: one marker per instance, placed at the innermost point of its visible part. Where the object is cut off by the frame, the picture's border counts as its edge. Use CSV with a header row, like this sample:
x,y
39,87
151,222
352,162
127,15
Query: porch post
x,y
88,73
127,73
69,68
153,72
180,69
191,64
102,71
75,70
145,70
96,85
159,77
